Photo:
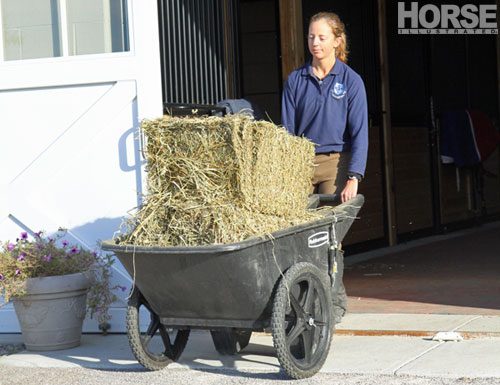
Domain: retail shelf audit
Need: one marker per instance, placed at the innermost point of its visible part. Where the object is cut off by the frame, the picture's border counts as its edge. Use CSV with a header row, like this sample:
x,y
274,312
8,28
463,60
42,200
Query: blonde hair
x,y
338,29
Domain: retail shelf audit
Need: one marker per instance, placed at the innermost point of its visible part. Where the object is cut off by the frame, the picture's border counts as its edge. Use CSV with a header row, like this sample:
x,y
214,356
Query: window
x,y
96,26
50,28
30,29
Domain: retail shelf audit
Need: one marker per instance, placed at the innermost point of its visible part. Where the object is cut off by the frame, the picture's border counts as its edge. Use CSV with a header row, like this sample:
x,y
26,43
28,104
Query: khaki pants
x,y
330,177
330,173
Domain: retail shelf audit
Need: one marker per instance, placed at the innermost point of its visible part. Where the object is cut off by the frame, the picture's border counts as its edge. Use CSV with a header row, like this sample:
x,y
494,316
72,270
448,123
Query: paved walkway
x,y
409,350
402,342
455,273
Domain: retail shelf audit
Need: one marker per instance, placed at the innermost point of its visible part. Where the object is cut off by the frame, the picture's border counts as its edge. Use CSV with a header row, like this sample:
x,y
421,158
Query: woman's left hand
x,y
350,190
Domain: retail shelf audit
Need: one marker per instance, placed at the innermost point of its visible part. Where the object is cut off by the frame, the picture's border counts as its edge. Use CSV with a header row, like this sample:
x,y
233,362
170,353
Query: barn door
x,y
76,77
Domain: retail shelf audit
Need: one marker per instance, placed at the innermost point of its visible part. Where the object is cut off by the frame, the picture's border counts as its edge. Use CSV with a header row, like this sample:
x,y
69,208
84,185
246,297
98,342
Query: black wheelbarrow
x,y
282,282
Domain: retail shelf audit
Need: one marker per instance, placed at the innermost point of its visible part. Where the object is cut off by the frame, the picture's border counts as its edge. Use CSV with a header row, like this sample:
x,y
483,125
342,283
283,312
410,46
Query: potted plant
x,y
53,285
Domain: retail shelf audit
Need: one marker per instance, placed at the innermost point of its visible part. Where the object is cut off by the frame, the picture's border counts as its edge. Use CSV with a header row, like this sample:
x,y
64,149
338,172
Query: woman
x,y
325,101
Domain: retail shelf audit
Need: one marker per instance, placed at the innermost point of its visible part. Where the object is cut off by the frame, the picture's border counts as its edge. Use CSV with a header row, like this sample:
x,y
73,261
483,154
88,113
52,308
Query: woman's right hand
x,y
350,190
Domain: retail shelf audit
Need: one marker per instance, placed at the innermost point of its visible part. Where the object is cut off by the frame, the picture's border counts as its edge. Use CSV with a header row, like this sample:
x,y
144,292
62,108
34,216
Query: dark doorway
x,y
360,19
431,75
260,62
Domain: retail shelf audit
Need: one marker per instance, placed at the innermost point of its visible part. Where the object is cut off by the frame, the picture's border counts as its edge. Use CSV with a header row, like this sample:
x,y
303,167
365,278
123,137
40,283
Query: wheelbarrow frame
x,y
235,286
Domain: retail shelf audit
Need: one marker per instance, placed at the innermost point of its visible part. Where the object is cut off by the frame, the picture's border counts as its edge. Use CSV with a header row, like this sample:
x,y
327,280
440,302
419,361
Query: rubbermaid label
x,y
318,239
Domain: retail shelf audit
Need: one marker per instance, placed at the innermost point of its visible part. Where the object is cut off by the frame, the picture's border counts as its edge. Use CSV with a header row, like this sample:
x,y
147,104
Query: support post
x,y
292,36
386,126
231,48
498,75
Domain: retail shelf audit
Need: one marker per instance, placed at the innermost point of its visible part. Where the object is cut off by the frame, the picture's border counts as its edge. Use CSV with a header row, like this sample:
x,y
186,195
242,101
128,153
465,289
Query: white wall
x,y
69,150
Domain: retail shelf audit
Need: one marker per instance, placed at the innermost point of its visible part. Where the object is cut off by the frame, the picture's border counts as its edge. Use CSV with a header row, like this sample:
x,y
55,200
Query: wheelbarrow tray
x,y
229,285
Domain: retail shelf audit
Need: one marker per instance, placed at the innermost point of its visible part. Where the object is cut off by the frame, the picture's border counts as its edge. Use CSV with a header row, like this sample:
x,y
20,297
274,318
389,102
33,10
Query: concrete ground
x,y
417,321
477,356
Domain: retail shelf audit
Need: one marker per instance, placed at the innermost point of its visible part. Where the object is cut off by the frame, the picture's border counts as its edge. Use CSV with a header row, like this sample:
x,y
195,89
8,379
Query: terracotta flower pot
x,y
51,314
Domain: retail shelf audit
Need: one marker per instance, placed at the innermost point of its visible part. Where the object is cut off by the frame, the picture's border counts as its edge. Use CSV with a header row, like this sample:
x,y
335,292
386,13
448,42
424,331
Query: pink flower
x,y
18,271
1,277
24,235
10,246
21,257
47,258
74,250
65,243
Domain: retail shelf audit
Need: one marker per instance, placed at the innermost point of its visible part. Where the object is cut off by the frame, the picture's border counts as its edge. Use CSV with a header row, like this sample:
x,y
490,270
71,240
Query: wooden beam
x,y
498,72
292,36
386,125
230,50
498,57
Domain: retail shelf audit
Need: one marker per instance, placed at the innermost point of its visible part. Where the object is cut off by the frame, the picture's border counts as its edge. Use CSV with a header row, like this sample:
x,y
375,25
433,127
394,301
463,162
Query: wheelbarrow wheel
x,y
230,341
151,341
302,321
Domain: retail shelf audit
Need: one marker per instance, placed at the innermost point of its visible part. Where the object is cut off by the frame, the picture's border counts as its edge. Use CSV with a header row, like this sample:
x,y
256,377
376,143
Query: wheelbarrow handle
x,y
316,200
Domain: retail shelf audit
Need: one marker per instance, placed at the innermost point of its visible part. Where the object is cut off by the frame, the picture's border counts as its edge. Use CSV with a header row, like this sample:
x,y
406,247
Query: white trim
x,y
108,47
65,59
63,27
1,33
56,74
131,26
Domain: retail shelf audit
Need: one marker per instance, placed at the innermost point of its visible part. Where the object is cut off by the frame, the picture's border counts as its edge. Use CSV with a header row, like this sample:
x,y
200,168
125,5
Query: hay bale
x,y
221,180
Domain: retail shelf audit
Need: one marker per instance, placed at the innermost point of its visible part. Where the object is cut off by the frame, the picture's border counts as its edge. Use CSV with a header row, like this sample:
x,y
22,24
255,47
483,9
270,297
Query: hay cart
x,y
283,283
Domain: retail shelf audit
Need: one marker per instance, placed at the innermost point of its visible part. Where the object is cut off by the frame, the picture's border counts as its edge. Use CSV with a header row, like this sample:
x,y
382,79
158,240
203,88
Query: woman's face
x,y
321,40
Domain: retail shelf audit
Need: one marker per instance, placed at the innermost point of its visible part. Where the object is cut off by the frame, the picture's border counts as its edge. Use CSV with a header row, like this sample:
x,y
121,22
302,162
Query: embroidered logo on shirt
x,y
338,91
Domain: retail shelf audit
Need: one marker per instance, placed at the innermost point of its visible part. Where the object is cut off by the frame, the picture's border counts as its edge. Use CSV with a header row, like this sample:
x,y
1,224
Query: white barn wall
x,y
69,152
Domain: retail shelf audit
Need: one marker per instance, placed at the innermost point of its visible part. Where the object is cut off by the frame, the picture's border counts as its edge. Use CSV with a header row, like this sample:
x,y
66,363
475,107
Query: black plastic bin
x,y
284,282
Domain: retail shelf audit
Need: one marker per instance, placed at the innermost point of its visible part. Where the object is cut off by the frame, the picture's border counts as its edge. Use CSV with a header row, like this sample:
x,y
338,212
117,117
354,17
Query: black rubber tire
x,y
230,341
302,325
139,342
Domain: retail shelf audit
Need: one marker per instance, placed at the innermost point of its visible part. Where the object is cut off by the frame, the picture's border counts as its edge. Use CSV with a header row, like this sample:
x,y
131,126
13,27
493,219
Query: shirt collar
x,y
338,67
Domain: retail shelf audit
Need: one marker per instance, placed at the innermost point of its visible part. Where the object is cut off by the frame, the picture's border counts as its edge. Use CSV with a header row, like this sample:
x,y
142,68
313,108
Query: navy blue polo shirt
x,y
332,113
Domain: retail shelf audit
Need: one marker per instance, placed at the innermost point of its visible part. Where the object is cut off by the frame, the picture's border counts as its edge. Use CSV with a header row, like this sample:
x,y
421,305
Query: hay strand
x,y
220,180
